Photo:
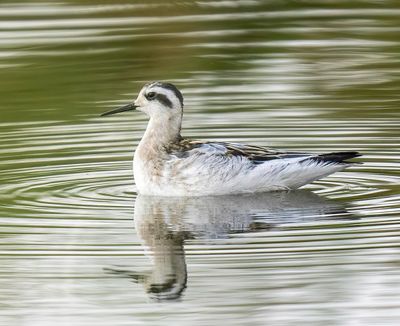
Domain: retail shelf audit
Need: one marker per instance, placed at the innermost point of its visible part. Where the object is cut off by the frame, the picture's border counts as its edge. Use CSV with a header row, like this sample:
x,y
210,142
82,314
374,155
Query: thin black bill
x,y
128,107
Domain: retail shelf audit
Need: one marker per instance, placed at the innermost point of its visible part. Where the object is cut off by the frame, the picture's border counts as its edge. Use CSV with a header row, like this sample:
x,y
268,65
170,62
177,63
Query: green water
x,y
79,247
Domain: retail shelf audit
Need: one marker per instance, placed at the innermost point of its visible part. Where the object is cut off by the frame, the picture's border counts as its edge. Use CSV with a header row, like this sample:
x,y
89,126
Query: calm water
x,y
79,247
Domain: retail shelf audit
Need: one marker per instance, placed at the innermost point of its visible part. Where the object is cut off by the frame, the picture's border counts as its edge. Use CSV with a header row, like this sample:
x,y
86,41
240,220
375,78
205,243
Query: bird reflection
x,y
164,224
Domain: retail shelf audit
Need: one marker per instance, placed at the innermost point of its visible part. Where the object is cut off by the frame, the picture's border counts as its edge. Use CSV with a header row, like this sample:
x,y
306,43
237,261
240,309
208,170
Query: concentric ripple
x,y
93,173
80,183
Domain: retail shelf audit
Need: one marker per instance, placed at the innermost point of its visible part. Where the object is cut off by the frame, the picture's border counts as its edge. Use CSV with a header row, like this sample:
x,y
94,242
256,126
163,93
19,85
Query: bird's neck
x,y
160,133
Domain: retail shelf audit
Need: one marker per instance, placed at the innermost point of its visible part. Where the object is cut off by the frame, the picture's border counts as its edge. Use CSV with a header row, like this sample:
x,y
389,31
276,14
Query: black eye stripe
x,y
173,88
169,87
164,100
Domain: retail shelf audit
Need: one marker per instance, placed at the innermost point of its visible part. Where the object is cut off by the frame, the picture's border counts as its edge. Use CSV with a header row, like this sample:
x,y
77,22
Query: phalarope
x,y
165,164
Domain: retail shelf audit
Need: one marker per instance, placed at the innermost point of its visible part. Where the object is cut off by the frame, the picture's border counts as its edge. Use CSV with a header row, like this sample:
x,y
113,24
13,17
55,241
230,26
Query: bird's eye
x,y
151,95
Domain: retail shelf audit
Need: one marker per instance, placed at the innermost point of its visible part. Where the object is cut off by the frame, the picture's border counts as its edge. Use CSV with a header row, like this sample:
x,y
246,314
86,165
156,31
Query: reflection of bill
x,y
164,223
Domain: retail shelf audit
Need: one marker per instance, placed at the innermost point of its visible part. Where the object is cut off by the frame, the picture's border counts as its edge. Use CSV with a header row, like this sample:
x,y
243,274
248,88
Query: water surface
x,y
78,246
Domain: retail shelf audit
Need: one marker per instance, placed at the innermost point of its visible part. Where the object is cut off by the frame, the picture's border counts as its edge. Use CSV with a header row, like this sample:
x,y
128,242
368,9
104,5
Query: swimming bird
x,y
166,164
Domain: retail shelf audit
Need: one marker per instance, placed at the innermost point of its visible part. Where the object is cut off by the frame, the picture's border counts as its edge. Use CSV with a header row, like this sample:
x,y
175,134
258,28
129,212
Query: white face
x,y
160,100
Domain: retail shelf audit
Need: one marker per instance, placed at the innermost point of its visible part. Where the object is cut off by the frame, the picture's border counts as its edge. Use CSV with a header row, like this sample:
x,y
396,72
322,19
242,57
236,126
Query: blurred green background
x,y
58,60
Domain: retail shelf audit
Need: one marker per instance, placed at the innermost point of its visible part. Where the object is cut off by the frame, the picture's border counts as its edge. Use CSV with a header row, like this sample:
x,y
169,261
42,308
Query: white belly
x,y
200,182
204,175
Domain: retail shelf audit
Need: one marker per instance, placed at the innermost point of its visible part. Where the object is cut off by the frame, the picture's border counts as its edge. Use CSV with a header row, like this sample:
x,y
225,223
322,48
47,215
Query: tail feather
x,y
336,157
318,166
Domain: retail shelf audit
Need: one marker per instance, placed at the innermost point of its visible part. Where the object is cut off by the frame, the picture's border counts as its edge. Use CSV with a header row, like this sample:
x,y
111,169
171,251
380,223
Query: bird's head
x,y
157,99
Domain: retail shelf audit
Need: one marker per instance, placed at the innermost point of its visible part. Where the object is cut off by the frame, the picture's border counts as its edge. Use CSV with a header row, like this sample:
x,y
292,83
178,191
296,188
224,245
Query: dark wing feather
x,y
260,154
182,147
256,154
